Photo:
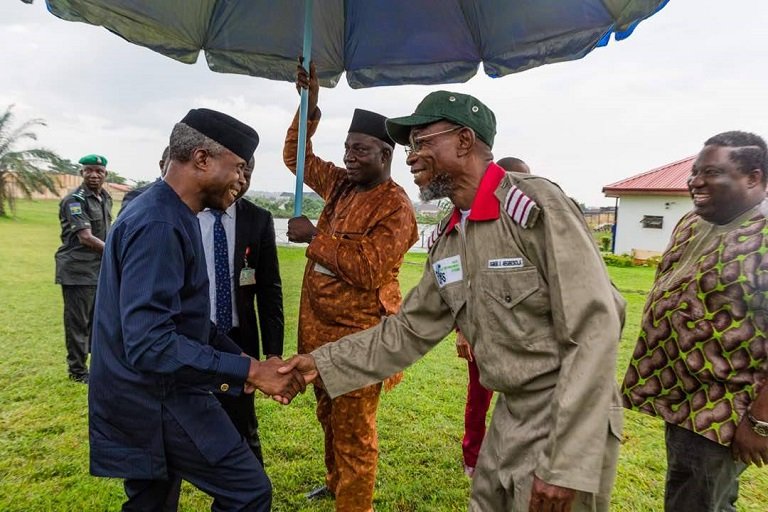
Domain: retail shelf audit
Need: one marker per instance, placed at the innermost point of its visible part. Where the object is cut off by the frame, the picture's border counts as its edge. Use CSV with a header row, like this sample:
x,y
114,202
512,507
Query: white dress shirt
x,y
207,220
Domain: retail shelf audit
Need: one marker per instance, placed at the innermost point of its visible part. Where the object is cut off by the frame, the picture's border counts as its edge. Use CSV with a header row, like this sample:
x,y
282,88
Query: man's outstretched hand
x,y
280,385
305,365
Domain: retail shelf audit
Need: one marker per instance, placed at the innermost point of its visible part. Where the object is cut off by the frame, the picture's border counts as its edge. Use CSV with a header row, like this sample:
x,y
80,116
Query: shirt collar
x,y
485,205
229,212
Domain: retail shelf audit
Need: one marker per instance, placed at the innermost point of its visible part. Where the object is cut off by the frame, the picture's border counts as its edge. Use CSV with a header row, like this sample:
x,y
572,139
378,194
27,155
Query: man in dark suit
x,y
254,279
156,357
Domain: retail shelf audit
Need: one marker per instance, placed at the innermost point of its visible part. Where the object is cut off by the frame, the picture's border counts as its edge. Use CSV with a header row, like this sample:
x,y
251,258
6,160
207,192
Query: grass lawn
x,y
43,416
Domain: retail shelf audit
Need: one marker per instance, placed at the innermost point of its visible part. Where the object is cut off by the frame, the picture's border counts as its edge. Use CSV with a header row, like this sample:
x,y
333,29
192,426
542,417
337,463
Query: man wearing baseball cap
x,y
156,357
515,268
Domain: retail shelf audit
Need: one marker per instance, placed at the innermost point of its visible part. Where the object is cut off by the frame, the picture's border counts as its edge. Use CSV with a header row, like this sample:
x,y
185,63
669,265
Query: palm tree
x,y
24,165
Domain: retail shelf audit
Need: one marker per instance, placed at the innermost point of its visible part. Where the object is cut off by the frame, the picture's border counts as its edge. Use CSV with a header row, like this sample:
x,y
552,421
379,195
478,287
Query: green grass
x,y
43,416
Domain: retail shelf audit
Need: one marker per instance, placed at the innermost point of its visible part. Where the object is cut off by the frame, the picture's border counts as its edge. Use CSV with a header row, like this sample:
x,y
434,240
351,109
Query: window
x,y
652,221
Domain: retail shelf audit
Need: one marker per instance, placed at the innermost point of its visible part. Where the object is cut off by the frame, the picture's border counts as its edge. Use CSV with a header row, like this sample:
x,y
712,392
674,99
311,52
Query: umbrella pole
x,y
301,150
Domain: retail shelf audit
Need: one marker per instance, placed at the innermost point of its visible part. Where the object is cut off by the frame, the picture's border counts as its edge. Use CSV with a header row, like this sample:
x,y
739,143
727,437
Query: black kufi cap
x,y
234,135
370,123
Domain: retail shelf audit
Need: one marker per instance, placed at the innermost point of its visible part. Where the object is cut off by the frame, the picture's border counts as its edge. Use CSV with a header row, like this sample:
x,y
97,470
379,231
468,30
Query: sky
x,y
696,68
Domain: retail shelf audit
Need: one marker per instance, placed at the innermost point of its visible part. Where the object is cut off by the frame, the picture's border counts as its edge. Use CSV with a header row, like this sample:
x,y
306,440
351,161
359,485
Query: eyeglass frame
x,y
415,145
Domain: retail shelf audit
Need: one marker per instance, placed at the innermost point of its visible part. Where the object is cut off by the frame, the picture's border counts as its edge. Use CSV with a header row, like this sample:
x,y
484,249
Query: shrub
x,y
618,260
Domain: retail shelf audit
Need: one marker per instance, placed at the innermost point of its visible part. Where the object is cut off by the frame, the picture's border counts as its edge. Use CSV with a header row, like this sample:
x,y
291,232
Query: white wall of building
x,y
630,233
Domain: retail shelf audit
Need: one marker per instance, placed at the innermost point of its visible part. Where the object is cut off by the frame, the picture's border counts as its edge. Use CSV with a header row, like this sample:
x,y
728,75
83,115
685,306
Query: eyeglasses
x,y
415,145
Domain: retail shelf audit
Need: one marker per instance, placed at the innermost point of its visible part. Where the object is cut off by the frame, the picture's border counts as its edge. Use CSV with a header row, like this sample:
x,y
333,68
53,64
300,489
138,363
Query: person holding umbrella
x,y
350,282
515,268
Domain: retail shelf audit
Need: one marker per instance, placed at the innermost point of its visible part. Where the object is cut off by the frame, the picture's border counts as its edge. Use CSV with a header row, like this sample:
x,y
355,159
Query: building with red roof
x,y
649,205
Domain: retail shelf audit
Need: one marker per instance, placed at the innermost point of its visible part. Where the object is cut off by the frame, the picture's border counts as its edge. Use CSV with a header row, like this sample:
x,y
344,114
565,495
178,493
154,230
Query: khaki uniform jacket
x,y
527,286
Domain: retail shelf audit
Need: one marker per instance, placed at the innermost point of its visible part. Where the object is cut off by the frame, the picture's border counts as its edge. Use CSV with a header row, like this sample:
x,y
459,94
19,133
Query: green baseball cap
x,y
459,108
93,160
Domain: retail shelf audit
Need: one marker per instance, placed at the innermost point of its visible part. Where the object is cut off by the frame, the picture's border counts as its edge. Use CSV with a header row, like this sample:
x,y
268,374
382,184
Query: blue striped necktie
x,y
221,264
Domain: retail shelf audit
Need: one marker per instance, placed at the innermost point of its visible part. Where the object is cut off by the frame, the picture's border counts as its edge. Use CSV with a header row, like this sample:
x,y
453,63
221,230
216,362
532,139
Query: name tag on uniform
x,y
323,270
505,263
448,270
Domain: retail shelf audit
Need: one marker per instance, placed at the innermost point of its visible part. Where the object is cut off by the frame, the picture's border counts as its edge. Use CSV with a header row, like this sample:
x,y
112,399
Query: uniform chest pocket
x,y
455,296
95,213
515,305
510,288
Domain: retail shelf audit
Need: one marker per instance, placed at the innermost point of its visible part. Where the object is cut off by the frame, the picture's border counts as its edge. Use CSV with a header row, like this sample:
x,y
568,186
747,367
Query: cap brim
x,y
399,128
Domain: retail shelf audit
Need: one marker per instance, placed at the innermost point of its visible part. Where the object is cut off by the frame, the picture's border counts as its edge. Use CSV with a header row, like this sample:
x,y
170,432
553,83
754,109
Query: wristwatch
x,y
758,427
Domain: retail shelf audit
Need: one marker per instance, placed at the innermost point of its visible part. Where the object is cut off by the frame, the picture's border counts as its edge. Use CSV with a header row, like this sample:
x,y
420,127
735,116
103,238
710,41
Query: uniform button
x,y
507,299
224,387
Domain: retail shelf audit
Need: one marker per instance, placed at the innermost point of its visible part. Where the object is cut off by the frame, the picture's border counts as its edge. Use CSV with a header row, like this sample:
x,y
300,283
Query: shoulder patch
x,y
435,235
438,231
522,209
75,209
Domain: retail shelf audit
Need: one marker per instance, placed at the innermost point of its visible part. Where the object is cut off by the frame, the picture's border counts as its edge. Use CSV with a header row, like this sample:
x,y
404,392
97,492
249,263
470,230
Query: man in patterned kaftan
x,y
350,282
700,360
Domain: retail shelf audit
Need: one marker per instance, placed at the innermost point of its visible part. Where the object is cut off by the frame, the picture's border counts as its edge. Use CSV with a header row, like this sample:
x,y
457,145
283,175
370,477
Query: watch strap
x,y
758,427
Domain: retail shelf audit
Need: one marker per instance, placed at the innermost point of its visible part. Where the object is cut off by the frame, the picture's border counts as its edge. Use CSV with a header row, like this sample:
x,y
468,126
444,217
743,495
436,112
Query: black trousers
x,y
78,316
237,482
242,412
701,474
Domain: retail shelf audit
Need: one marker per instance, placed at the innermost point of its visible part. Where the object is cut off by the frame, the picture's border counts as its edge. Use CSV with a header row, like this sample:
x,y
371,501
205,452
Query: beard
x,y
438,187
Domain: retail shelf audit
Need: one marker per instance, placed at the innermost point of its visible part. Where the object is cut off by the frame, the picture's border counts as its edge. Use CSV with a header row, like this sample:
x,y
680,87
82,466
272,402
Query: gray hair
x,y
185,140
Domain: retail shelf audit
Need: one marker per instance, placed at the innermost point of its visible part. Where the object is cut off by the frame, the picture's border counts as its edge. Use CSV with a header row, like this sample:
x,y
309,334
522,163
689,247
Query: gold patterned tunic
x,y
350,283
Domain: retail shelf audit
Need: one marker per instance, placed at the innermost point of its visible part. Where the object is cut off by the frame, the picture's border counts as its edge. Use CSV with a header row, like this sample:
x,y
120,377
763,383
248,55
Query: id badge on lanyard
x,y
247,274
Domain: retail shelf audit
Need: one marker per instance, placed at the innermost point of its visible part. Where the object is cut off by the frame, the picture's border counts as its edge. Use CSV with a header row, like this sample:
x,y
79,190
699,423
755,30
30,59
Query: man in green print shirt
x,y
700,359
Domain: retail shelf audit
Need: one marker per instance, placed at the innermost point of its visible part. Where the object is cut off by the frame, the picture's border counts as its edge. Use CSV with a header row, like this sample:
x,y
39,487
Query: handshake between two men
x,y
282,380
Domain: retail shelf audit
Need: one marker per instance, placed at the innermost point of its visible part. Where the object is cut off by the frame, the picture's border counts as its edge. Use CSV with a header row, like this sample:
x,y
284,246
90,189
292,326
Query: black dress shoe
x,y
79,378
319,493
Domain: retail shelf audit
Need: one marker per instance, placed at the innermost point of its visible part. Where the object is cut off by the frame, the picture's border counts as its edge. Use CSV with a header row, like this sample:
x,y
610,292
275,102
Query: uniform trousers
x,y
237,482
478,402
701,474
78,316
515,440
351,446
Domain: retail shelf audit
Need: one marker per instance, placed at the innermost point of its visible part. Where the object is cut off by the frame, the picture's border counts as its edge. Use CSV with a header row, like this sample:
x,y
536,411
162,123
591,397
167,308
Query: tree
x,y
23,167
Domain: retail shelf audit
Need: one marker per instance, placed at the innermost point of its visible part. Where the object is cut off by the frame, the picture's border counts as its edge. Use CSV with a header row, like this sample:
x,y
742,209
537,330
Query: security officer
x,y
516,269
85,215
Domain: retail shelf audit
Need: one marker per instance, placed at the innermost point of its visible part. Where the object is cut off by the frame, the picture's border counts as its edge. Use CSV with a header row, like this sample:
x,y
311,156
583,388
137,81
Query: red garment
x,y
478,402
